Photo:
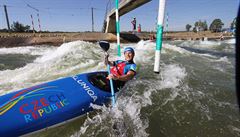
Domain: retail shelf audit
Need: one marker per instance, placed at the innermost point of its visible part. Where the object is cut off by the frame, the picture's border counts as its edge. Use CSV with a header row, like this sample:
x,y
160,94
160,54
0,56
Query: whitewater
x,y
194,94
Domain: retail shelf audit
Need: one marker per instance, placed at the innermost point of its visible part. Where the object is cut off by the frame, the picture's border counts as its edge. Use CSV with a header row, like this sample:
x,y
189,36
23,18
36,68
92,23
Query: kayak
x,y
56,102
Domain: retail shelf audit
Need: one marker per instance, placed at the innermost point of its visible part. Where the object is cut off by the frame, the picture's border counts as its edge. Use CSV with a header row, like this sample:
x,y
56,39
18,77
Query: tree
x,y
216,25
188,27
194,29
18,27
197,26
205,26
200,26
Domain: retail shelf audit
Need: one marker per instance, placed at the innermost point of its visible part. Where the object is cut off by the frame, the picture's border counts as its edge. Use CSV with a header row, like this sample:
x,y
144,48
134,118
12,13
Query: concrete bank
x,y
56,39
205,35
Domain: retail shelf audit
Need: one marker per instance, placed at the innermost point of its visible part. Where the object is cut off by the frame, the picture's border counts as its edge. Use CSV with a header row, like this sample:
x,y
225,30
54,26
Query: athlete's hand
x,y
111,76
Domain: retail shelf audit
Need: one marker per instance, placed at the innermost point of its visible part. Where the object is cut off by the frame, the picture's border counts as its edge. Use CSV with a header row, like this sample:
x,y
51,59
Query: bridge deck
x,y
124,7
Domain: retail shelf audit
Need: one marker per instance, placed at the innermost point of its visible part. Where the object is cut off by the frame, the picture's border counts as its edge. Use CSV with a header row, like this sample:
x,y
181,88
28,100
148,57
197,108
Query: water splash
x,y
68,59
36,50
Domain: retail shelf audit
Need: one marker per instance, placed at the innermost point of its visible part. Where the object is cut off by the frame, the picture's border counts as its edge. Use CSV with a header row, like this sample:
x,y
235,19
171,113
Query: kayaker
x,y
123,70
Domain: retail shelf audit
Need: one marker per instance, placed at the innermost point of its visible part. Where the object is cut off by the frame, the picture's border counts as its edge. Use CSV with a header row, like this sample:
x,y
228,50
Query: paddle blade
x,y
104,45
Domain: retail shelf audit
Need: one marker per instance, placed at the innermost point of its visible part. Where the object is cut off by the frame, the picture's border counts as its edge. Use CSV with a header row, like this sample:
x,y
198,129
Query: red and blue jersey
x,y
121,67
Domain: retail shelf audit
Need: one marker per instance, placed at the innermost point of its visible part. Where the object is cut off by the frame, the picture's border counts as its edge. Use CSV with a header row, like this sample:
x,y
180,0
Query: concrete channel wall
x,y
56,39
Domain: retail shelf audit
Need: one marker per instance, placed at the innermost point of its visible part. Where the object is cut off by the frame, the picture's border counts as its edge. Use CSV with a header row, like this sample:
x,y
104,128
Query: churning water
x,y
194,94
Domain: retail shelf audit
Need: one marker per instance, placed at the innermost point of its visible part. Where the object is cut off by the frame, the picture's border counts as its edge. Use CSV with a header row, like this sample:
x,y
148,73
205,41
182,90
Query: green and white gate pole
x,y
118,30
159,35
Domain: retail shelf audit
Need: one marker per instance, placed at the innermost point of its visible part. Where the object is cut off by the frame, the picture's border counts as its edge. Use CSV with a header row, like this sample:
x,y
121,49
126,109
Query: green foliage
x,y
205,26
216,25
194,29
188,27
4,30
18,27
201,26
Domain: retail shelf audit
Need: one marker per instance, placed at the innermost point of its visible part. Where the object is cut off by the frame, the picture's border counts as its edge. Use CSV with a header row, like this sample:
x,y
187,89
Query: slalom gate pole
x,y
118,29
39,24
159,35
32,24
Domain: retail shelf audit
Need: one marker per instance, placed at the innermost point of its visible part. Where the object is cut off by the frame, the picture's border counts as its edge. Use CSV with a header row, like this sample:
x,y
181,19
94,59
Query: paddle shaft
x,y
105,46
112,88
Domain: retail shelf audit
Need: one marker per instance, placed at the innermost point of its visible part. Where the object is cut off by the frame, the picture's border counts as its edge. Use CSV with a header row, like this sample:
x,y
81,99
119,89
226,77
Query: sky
x,y
75,15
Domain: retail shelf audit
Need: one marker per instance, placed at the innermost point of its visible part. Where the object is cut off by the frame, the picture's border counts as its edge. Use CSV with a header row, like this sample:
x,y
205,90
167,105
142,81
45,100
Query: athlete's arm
x,y
109,62
125,77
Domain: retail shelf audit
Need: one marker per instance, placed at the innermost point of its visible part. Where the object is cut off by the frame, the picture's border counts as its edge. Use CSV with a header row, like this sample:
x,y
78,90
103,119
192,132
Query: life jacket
x,y
118,70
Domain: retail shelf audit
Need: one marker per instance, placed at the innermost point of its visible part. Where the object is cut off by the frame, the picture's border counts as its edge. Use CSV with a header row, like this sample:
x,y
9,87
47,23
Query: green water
x,y
194,94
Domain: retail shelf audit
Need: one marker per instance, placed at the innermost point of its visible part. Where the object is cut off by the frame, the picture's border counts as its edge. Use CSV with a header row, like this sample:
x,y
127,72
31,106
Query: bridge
x,y
125,6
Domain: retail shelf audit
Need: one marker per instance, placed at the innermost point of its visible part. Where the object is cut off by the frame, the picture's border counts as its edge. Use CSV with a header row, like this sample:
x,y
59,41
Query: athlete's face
x,y
128,55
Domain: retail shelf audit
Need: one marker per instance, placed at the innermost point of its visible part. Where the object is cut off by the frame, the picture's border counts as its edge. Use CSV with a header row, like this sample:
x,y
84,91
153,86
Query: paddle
x,y
105,46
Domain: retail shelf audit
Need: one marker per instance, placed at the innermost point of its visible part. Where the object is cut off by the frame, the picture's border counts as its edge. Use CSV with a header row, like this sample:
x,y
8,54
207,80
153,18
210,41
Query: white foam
x,y
65,49
175,48
37,50
205,55
172,76
235,130
144,51
201,44
125,116
209,43
211,58
68,59
230,41
224,59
